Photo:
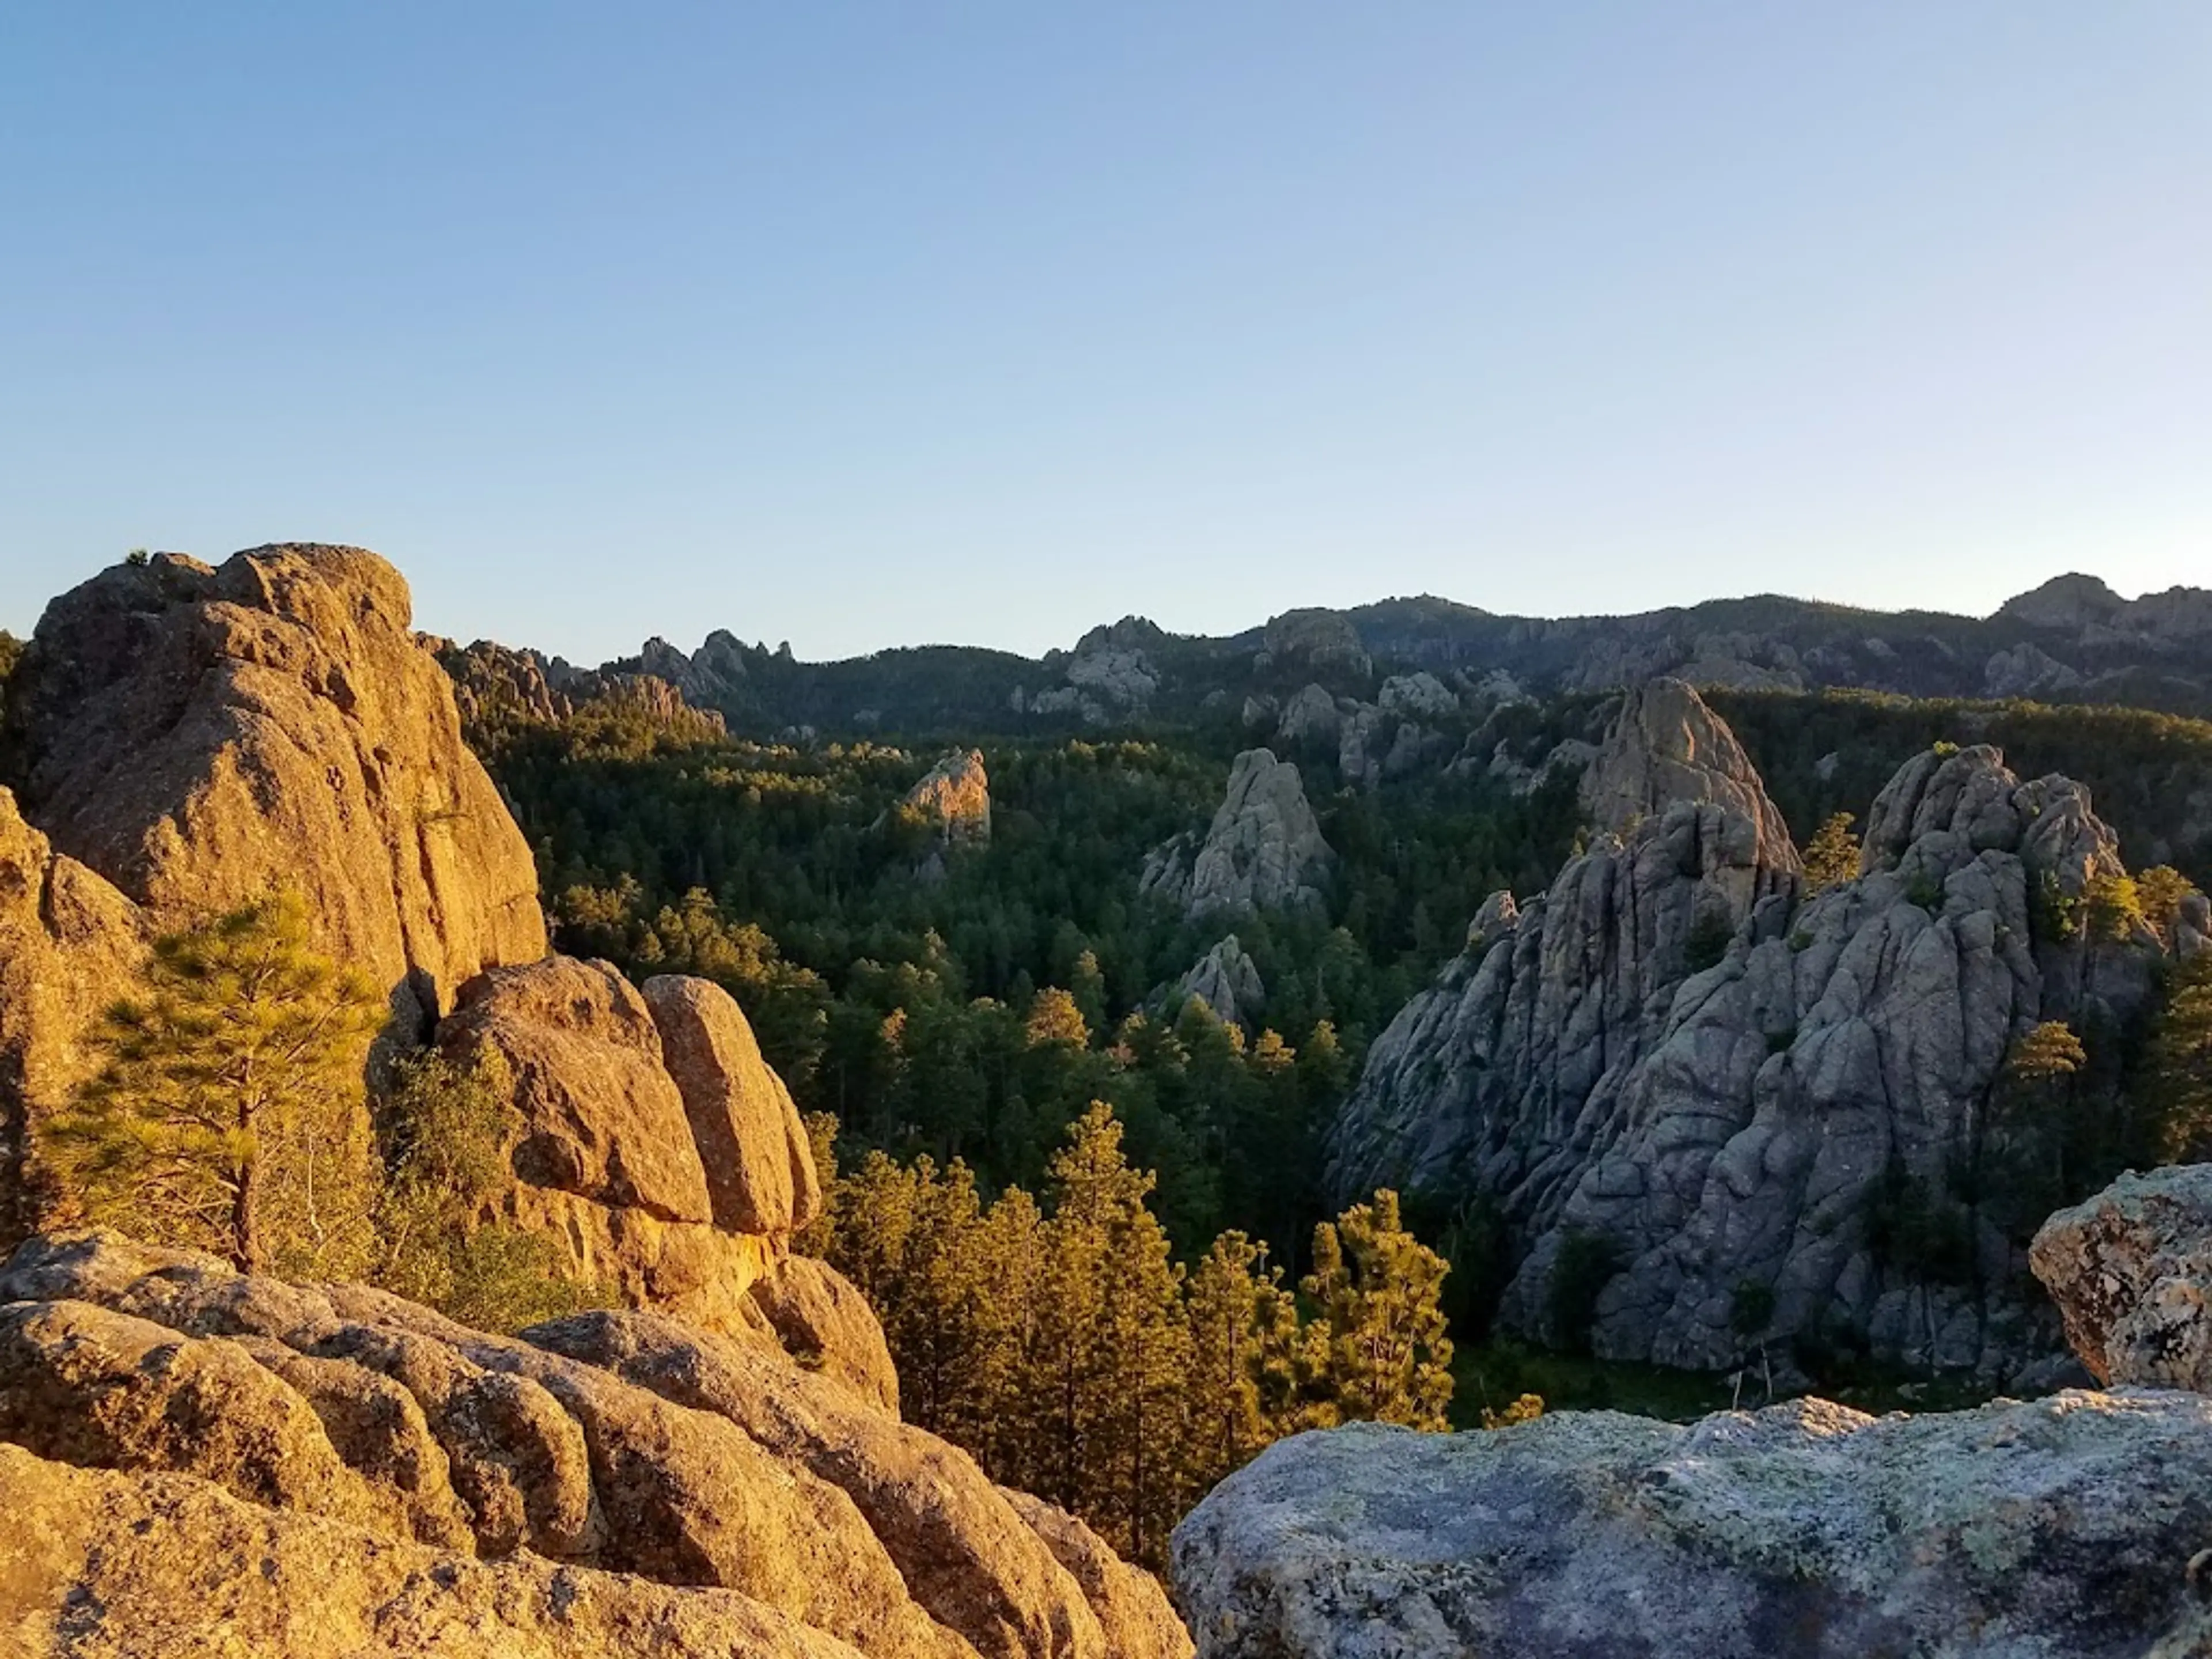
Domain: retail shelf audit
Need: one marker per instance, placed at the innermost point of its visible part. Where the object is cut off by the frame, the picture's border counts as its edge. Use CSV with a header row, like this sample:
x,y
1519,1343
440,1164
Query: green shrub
x,y
1708,942
1586,1264
444,1130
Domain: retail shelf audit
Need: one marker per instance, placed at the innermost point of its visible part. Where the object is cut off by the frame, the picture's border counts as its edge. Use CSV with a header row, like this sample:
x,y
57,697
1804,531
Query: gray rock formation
x,y
1310,717
1323,641
2061,1528
1358,739
2028,671
1228,982
646,1479
1676,1080
2130,1270
1417,697
1263,851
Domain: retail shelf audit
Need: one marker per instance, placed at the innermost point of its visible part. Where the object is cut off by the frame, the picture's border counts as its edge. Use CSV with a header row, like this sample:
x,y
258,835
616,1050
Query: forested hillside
x,y
968,1001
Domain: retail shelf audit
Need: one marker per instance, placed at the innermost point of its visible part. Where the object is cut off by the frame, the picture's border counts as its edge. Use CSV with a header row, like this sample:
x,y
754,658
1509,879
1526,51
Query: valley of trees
x,y
970,1002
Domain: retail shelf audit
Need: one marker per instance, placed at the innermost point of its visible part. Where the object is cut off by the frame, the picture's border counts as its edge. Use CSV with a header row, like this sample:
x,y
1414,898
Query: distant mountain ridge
x,y
2071,639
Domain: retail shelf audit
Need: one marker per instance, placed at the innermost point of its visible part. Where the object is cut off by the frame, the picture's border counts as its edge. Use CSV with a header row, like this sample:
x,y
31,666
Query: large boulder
x,y
601,1116
819,1318
1692,1093
1263,851
674,1189
2065,1526
718,1475
197,735
2130,1270
759,1164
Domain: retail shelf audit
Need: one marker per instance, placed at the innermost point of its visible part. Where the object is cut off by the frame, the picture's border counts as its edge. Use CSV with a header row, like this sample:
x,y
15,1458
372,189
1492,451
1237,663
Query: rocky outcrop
x,y
1310,717
715,677
658,1148
1228,982
2130,1270
1418,696
1112,667
1690,1093
955,797
1263,851
744,1129
2028,671
189,732
602,1118
68,939
690,1488
1322,641
2065,1526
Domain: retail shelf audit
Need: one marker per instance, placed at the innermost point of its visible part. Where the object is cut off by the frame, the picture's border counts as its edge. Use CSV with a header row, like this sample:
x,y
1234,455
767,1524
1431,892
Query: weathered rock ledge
x,y
311,1470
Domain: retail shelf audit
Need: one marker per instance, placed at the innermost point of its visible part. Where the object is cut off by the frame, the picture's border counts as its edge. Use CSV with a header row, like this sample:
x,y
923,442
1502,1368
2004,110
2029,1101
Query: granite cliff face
x,y
1676,1076
1263,851
202,1457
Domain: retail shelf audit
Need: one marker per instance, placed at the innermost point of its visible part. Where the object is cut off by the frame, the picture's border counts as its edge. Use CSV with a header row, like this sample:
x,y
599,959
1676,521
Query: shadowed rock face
x,y
2063,1526
270,1427
199,735
1726,1114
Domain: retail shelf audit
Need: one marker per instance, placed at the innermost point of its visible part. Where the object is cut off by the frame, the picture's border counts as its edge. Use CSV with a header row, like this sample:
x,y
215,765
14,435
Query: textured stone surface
x,y
966,1554
2131,1272
196,736
1310,717
1729,1119
2058,1529
1133,1612
955,795
759,1166
823,1322
1422,695
1263,850
614,1443
134,1566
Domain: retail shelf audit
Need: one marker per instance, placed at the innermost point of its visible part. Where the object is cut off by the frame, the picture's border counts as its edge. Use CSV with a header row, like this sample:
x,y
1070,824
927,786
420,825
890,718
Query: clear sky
x,y
857,325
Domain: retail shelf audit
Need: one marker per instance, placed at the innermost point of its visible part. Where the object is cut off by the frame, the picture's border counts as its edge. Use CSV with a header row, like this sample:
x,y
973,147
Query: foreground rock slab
x,y
2061,1529
329,1470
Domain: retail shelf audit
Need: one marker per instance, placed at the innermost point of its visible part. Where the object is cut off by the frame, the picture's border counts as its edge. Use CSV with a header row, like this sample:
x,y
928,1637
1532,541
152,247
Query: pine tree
x,y
1832,857
2178,1065
1379,1290
227,1113
1239,1313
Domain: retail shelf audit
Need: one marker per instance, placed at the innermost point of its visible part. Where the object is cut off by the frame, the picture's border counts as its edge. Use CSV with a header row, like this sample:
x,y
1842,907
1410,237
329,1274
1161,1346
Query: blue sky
x,y
857,325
